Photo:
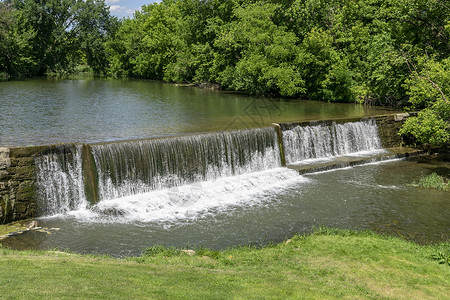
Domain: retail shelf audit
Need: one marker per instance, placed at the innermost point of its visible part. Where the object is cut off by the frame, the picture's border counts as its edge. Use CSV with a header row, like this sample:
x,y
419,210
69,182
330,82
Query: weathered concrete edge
x,y
340,165
397,117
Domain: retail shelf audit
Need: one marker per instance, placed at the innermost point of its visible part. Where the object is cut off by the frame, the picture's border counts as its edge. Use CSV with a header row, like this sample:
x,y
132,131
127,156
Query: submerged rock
x,y
32,224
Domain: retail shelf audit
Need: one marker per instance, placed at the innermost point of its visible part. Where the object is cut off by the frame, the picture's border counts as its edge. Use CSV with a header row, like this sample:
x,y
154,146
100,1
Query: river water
x,y
215,190
259,208
48,111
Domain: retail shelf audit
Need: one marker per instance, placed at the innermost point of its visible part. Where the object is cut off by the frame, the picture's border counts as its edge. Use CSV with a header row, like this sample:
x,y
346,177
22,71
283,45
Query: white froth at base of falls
x,y
193,200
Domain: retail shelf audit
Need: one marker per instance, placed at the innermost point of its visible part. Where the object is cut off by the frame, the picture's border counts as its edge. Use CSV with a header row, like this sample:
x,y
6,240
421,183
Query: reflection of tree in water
x,y
237,123
263,110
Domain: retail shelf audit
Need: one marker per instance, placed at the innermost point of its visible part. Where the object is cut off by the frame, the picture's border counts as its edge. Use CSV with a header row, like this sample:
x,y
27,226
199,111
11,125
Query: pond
x,y
48,111
259,208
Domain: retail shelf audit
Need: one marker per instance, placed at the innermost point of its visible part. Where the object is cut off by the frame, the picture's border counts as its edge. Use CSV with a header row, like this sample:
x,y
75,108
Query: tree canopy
x,y
54,35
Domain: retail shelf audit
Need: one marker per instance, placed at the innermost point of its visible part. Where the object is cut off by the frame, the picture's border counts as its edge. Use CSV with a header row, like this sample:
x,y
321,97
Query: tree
x,y
256,55
146,45
67,32
200,24
93,27
15,47
429,88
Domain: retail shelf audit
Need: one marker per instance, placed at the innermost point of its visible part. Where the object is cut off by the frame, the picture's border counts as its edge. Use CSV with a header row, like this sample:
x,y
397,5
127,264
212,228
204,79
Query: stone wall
x,y
388,128
17,182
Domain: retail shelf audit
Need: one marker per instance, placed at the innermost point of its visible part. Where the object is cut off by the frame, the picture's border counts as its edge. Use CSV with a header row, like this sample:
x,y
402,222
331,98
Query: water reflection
x,y
44,111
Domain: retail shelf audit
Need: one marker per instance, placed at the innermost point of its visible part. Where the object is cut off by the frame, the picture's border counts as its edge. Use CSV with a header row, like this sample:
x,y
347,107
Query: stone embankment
x,y
18,182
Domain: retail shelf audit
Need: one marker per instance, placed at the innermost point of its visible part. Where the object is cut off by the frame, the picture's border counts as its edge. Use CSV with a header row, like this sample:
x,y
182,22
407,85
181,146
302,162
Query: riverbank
x,y
16,228
327,264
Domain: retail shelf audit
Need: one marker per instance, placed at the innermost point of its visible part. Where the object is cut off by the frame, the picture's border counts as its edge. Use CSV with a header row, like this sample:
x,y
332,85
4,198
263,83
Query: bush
x,y
442,254
433,181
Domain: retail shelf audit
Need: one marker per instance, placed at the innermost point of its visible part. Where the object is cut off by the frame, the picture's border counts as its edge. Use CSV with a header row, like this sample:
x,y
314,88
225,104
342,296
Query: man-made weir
x,y
50,180
320,141
137,167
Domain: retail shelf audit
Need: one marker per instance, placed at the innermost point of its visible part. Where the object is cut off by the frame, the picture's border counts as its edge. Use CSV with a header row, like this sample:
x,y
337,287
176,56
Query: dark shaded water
x,y
265,206
47,111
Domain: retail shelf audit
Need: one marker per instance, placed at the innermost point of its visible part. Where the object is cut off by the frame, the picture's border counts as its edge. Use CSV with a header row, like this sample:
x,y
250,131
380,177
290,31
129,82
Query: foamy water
x,y
194,200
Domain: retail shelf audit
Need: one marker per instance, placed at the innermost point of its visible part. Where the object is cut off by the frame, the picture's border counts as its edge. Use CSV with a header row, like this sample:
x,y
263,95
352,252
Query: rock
x,y
189,252
210,86
32,224
110,211
400,117
5,160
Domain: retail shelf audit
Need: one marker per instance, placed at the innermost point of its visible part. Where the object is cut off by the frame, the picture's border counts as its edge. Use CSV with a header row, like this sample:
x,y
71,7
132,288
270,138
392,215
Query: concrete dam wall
x,y
43,180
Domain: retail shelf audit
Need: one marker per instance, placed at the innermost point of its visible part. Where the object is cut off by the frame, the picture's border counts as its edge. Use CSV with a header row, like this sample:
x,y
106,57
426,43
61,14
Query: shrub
x,y
432,181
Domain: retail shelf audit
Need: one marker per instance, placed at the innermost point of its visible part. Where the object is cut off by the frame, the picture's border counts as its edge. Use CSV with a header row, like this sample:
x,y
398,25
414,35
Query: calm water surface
x,y
376,196
47,111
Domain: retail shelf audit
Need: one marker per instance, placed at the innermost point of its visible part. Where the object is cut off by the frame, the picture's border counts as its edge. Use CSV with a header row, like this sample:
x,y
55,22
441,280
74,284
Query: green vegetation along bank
x,y
433,181
329,264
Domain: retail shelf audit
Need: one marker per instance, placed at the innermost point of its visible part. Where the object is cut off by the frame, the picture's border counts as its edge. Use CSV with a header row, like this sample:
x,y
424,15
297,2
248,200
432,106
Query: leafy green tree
x,y
93,27
122,47
50,20
429,81
67,32
316,58
429,87
256,55
429,127
146,45
15,48
421,24
199,25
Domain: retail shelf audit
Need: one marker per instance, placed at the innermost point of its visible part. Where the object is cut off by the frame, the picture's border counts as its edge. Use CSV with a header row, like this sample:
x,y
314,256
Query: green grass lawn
x,y
332,264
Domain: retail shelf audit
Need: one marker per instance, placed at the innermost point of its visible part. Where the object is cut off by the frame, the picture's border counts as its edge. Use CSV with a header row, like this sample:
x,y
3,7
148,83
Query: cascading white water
x,y
195,200
137,167
320,141
59,177
180,177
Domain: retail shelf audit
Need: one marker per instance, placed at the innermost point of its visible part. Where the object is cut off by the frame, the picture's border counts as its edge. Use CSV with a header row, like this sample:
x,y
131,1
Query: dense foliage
x,y
382,52
38,37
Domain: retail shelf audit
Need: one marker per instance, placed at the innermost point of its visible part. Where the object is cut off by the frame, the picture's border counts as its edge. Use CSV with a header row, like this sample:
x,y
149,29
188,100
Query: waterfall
x,y
321,141
59,179
164,174
136,167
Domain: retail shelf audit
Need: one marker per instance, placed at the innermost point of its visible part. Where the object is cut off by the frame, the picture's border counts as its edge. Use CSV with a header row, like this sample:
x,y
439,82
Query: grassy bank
x,y
327,264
